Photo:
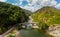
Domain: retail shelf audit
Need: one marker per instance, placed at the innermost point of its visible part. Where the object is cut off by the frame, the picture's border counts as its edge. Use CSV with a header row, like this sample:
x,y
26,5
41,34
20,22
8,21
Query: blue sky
x,y
17,1
34,5
58,1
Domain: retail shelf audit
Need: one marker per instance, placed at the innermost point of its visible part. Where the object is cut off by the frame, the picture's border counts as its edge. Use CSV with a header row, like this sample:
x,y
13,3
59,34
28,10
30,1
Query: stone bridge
x,y
29,25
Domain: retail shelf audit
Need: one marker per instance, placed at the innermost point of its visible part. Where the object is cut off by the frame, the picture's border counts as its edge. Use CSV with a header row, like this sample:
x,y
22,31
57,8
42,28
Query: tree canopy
x,y
11,14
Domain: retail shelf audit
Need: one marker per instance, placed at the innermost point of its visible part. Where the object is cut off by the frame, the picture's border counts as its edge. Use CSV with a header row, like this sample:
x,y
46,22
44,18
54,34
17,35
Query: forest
x,y
11,15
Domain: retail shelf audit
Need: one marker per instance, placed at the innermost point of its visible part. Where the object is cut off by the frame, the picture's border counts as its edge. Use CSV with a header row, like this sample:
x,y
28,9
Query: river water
x,y
33,33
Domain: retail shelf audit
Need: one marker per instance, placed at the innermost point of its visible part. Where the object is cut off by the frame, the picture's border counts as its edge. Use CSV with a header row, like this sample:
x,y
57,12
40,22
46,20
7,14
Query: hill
x,y
10,15
47,15
27,12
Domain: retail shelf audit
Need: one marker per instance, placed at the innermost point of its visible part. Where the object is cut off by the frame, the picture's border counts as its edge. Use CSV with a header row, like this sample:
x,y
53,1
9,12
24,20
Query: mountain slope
x,y
10,15
48,15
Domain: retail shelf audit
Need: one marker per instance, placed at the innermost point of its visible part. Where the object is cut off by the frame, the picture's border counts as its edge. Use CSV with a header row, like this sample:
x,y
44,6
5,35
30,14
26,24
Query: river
x,y
33,33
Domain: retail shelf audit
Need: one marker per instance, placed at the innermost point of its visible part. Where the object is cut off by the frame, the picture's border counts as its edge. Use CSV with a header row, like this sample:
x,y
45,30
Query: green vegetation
x,y
11,35
47,15
10,15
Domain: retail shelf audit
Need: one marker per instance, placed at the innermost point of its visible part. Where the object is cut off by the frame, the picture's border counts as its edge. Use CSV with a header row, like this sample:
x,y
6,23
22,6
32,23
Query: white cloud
x,y
48,3
58,6
21,0
20,3
34,5
15,4
3,0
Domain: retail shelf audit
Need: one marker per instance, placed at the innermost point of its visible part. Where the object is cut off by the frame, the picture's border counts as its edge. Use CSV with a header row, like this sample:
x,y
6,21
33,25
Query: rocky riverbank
x,y
54,30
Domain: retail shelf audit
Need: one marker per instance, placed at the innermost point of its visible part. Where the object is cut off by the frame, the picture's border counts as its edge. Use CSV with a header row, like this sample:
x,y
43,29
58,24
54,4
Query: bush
x,y
11,35
43,26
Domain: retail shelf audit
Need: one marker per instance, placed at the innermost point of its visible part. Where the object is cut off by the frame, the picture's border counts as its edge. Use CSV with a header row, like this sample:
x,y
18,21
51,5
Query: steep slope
x,y
10,15
27,12
47,15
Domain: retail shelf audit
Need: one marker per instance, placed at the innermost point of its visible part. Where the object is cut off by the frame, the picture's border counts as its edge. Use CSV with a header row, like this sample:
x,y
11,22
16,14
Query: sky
x,y
34,5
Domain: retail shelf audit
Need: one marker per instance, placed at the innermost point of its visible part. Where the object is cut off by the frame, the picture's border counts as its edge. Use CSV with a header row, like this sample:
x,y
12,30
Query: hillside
x,y
11,12
47,15
27,12
11,15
